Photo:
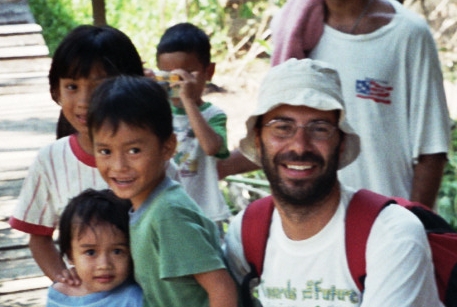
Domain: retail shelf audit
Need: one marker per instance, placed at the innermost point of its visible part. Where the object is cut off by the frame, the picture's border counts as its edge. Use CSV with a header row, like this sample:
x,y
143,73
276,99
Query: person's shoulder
x,y
173,190
211,109
55,297
130,288
63,290
59,144
408,18
48,154
172,198
399,221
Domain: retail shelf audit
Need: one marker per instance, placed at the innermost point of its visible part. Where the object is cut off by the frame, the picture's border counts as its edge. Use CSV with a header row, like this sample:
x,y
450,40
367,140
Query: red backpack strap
x,y
255,228
363,209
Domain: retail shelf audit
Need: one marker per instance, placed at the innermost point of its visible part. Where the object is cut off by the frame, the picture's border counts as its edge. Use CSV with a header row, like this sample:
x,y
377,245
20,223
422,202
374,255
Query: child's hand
x,y
190,86
149,73
69,277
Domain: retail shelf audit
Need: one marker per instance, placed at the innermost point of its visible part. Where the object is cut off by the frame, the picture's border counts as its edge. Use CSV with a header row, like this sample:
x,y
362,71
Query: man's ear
x,y
209,71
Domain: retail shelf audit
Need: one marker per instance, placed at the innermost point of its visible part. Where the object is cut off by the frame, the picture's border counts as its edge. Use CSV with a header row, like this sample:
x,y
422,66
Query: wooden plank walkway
x,y
27,122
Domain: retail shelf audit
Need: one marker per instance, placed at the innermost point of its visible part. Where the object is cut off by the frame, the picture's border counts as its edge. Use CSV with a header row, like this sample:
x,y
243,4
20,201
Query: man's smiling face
x,y
301,169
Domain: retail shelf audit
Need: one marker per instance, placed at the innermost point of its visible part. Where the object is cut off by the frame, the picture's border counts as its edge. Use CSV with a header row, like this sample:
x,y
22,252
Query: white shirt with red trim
x,y
61,171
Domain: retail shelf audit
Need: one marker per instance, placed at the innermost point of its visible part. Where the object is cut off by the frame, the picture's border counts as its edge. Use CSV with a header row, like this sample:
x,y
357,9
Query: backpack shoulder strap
x,y
255,228
363,209
433,223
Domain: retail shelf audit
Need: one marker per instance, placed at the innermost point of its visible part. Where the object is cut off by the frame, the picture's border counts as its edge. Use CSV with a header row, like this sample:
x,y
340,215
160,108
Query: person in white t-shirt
x,y
300,136
393,88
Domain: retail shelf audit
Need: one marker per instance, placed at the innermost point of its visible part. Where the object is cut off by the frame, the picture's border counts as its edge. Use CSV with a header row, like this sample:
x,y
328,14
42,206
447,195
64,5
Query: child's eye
x,y
89,252
118,251
71,87
104,152
134,150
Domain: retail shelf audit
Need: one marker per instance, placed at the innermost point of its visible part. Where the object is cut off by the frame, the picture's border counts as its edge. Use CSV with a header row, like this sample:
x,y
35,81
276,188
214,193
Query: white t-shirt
x,y
393,90
197,170
314,272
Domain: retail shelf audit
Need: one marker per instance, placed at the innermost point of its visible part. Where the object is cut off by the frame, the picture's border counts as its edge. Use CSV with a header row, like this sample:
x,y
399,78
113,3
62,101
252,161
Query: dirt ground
x,y
238,99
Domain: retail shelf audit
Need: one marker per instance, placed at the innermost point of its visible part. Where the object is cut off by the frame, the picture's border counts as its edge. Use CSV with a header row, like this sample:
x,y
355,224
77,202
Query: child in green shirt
x,y
175,247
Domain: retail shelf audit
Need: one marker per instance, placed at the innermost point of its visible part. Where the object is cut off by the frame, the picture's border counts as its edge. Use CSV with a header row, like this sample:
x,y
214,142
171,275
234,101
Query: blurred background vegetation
x,y
235,27
239,30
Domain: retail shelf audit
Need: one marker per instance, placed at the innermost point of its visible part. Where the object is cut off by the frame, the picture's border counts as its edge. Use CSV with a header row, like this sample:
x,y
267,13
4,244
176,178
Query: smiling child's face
x,y
132,161
74,94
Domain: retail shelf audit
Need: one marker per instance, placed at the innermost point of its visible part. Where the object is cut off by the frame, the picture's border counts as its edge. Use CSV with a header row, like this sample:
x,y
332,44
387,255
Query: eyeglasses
x,y
317,130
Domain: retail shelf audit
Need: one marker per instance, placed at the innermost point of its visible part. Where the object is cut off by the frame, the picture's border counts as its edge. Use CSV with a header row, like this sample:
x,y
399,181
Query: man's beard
x,y
301,193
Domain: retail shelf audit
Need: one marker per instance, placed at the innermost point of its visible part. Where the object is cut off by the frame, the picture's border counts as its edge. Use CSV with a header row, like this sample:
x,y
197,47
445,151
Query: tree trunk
x,y
98,11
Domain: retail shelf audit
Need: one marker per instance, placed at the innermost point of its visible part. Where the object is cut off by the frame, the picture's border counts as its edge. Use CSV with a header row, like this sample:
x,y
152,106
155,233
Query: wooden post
x,y
98,12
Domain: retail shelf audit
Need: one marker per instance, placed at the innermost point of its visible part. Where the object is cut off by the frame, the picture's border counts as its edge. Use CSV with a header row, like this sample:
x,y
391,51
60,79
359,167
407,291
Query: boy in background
x,y
200,127
175,247
94,237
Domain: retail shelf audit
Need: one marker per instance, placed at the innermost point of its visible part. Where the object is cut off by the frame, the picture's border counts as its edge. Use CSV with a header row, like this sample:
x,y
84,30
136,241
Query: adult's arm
x,y
236,163
399,262
428,173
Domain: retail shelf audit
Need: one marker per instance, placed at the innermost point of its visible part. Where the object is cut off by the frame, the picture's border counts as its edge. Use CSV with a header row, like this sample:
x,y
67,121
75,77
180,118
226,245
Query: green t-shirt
x,y
171,240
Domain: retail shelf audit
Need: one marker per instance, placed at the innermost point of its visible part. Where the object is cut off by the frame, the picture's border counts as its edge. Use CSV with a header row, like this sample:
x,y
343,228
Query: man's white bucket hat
x,y
309,83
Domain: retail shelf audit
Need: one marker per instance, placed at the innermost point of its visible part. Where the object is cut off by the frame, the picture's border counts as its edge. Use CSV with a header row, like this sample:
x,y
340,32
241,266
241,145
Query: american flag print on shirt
x,y
378,91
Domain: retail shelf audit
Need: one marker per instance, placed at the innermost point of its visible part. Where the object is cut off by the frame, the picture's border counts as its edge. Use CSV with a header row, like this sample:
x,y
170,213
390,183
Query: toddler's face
x,y
73,97
132,161
101,257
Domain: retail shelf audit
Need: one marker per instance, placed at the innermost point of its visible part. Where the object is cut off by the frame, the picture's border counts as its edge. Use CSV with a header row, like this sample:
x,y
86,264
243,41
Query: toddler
x,y
94,237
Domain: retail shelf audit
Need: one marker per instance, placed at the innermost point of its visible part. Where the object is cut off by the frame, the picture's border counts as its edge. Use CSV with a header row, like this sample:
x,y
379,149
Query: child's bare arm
x,y
49,260
220,287
190,94
209,140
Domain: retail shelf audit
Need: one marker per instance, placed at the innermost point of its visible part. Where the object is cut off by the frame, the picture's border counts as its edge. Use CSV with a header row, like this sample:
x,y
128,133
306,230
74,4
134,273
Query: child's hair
x,y
186,37
87,46
135,101
88,209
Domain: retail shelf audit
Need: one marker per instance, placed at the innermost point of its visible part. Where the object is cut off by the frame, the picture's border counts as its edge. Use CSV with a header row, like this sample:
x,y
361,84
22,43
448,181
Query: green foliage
x,y
447,197
56,19
144,21
240,190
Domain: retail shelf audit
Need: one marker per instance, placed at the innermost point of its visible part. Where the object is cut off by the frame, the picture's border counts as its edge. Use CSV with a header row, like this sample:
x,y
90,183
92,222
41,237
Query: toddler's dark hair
x,y
135,101
188,38
88,209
